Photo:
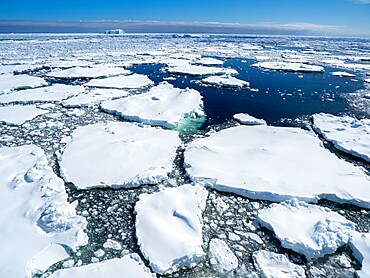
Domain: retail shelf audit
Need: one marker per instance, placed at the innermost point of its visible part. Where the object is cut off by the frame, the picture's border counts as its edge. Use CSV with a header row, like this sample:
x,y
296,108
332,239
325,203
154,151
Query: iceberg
x,y
360,245
247,119
18,114
9,83
288,66
88,72
133,81
115,32
169,227
225,81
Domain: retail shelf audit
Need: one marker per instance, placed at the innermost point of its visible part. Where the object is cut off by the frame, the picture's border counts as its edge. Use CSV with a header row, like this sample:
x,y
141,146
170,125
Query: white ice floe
x,y
307,229
247,119
112,244
343,74
133,81
169,227
275,163
346,133
209,62
163,105
94,97
18,68
118,155
367,80
222,258
273,265
55,92
288,66
129,266
10,82
225,81
199,70
88,72
18,114
360,245
36,216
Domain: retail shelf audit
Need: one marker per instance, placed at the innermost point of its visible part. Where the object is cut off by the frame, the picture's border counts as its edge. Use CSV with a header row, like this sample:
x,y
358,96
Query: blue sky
x,y
352,15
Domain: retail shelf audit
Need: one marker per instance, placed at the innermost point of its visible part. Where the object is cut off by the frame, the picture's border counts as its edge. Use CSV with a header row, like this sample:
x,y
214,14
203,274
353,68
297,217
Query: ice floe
x,y
169,227
18,114
6,69
275,163
163,105
10,82
209,62
133,81
118,155
88,72
273,265
222,258
360,245
346,133
247,119
225,81
307,229
289,66
34,203
343,74
189,69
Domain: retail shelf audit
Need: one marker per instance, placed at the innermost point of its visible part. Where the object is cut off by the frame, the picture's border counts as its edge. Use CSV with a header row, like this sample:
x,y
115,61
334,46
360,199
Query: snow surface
x,y
346,133
225,81
118,155
307,229
247,119
185,68
33,201
273,265
133,81
10,82
163,105
129,266
343,74
169,227
274,163
360,245
18,114
288,66
56,92
222,258
88,72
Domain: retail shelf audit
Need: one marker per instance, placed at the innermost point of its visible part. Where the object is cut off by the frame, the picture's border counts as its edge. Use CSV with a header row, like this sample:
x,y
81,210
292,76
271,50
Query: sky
x,y
346,16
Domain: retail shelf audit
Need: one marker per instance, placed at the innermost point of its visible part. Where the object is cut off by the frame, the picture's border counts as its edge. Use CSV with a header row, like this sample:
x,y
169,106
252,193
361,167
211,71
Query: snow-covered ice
x,y
88,72
10,82
343,74
206,61
247,119
222,258
289,66
163,105
225,81
360,245
275,163
189,69
169,227
346,133
273,265
133,81
118,155
112,244
50,255
307,229
18,114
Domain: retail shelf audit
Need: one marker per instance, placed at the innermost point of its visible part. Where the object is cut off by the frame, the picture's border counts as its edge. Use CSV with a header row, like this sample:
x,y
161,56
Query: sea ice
x,y
247,119
169,227
343,74
346,133
10,82
225,81
199,70
360,245
88,72
133,81
273,265
367,80
307,229
209,62
288,66
163,105
18,114
221,257
50,255
275,163
118,154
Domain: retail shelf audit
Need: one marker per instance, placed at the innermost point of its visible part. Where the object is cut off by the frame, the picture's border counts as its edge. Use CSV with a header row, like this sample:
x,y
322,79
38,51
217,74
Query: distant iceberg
x,y
115,32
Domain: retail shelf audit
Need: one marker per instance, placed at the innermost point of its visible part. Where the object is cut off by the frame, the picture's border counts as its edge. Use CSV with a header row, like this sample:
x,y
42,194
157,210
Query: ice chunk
x,y
360,244
189,69
275,163
346,133
273,265
209,62
18,114
88,72
118,155
163,105
307,229
288,66
115,32
18,68
10,82
169,227
47,257
128,266
221,257
247,119
112,244
343,74
225,81
367,80
133,81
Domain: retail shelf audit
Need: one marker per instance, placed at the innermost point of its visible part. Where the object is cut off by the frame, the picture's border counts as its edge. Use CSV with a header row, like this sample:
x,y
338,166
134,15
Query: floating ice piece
x,y
307,229
115,32
18,68
199,70
169,227
88,72
112,244
209,62
10,82
133,81
163,105
247,119
35,213
50,255
18,114
367,80
287,66
93,97
56,92
346,133
273,265
129,266
343,74
118,155
225,81
221,257
360,245
275,163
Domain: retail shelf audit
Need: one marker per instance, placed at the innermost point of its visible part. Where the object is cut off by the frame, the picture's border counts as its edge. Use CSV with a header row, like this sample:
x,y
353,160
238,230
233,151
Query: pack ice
x,y
360,245
225,81
247,119
18,114
169,227
133,81
346,133
37,222
288,66
189,69
307,229
9,82
275,163
118,155
163,105
88,72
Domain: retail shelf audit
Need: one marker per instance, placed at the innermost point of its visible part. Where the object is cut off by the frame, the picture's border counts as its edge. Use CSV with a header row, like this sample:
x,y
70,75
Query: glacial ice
x,y
88,72
360,245
289,66
247,119
18,114
225,81
9,83
133,81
